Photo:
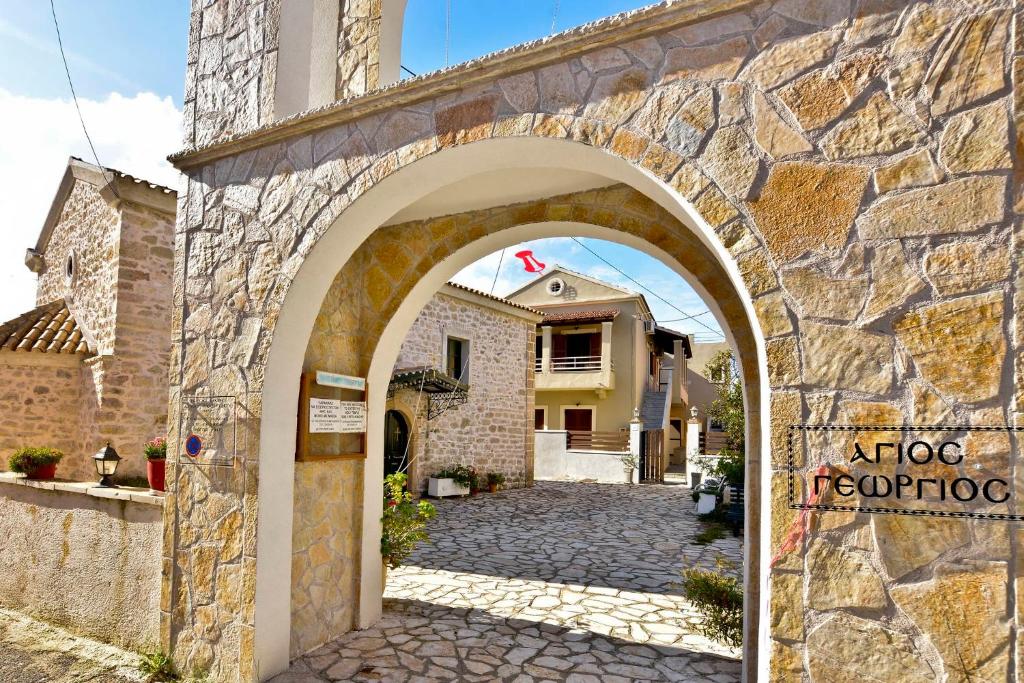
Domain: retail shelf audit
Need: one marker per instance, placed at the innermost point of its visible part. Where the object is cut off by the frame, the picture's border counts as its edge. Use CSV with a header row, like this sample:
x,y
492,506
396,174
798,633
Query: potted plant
x,y
495,480
35,463
474,482
403,525
156,462
453,480
629,463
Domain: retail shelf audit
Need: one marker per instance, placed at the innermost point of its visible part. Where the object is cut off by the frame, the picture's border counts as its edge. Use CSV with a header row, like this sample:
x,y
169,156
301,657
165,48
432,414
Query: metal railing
x,y
572,364
598,441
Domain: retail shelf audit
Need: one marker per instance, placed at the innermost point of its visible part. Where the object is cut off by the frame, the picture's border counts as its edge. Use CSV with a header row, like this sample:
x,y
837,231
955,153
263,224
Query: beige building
x,y
89,363
602,359
462,389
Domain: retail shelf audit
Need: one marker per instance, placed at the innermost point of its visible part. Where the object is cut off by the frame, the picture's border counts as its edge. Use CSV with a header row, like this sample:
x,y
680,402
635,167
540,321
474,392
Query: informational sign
x,y
946,471
211,425
324,415
330,379
353,417
327,415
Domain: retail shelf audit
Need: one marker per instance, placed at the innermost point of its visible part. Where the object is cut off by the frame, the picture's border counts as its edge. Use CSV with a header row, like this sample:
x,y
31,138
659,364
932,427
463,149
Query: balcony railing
x,y
572,364
598,441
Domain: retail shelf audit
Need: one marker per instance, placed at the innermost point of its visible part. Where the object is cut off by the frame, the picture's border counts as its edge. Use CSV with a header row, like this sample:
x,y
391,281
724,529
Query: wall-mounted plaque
x,y
329,426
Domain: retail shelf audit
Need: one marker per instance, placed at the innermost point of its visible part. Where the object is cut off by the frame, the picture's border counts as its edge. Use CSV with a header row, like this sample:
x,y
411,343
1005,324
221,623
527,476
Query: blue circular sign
x,y
193,445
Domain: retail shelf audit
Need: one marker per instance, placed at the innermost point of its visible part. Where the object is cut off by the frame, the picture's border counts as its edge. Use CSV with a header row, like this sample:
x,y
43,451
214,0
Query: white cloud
x,y
131,134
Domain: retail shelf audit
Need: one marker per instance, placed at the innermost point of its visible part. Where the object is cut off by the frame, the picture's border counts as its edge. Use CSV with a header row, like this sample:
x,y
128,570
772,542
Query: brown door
x,y
538,418
579,419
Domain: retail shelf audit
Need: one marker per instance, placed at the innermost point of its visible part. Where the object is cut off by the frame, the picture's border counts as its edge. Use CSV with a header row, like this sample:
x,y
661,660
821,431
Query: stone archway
x,y
841,218
398,273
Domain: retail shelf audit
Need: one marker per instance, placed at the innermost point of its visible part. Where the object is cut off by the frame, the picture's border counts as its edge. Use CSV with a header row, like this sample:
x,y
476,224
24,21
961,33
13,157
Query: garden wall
x,y
553,462
88,563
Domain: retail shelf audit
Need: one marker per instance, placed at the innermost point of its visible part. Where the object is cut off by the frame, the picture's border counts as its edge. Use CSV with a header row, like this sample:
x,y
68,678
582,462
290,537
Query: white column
x,y
545,348
635,434
692,447
606,346
678,372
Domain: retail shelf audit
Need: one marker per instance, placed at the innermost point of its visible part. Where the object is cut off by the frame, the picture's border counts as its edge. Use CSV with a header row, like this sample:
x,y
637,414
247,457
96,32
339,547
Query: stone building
x,y
89,364
839,180
484,344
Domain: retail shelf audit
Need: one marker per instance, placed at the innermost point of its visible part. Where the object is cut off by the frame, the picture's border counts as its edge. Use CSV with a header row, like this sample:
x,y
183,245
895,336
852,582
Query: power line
x,y
404,68
498,270
687,316
554,18
74,96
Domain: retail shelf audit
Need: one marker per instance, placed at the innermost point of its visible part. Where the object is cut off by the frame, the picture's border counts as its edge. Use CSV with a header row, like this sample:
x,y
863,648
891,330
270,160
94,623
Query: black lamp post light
x,y
106,464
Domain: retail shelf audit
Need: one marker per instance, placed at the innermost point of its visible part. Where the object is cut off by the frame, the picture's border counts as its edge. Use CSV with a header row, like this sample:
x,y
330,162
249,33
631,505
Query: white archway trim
x,y
302,304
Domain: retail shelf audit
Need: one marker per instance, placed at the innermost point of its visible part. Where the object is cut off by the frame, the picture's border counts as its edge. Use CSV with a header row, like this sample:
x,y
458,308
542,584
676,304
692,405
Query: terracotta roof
x,y
580,316
48,328
507,302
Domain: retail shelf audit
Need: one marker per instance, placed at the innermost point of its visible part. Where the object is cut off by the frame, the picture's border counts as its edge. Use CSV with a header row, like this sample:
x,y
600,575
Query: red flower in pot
x,y
156,463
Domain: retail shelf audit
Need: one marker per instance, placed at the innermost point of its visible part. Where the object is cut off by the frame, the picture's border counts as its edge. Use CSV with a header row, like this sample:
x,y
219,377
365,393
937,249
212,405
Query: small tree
x,y
404,524
727,410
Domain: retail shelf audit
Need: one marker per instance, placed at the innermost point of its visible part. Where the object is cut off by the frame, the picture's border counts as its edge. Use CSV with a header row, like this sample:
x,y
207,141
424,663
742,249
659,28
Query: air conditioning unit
x,y
649,326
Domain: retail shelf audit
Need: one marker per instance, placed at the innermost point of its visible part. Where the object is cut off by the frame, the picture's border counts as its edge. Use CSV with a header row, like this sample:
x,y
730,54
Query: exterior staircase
x,y
652,409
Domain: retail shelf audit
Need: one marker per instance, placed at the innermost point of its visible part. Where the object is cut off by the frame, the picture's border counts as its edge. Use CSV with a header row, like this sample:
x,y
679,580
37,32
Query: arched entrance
x,y
396,441
673,233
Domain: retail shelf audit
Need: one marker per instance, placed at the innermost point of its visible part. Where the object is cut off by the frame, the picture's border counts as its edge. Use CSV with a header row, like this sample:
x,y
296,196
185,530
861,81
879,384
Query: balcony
x,y
567,373
572,364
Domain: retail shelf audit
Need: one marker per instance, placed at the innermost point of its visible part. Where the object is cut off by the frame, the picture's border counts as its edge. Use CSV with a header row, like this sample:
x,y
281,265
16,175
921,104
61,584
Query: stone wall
x,y
851,157
91,565
325,551
88,229
42,394
491,431
132,393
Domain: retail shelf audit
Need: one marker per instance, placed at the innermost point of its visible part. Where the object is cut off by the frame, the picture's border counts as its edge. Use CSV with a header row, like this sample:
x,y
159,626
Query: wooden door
x,y
579,420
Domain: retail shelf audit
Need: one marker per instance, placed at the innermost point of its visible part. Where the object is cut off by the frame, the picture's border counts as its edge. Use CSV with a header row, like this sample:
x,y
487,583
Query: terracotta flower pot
x,y
493,488
43,472
155,470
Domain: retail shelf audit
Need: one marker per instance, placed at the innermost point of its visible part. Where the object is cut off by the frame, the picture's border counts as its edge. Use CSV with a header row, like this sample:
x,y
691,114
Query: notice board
x,y
332,421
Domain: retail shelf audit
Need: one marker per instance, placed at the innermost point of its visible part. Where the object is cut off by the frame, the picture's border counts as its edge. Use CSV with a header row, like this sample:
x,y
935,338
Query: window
x,y
555,286
69,268
457,358
540,418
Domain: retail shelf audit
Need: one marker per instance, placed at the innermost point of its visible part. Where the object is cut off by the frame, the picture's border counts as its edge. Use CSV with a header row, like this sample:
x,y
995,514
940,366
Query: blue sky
x,y
127,59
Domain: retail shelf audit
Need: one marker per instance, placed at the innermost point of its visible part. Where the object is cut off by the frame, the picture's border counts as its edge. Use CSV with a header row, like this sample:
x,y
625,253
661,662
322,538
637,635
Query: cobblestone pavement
x,y
34,652
560,582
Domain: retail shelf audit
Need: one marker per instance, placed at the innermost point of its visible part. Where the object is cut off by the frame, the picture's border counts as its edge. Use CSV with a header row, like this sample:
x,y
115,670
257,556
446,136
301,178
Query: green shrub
x,y
26,460
156,666
156,449
719,599
712,532
495,478
404,523
460,474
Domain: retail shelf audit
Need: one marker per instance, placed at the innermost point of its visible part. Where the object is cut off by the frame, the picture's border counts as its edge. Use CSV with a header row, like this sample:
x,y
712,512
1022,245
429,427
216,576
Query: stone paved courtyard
x,y
560,582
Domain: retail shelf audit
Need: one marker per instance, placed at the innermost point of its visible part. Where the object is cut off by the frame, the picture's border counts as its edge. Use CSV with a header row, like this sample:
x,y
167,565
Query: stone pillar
x,y
545,349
